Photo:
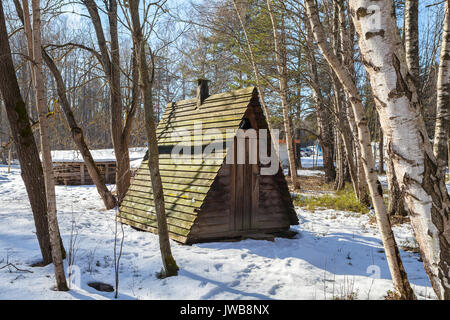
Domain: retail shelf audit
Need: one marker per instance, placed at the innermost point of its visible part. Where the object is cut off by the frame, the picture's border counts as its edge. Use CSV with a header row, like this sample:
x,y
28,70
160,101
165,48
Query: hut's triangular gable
x,y
185,184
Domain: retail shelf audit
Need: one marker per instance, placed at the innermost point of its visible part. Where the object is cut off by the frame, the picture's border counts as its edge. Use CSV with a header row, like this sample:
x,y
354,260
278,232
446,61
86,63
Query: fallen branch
x,y
12,265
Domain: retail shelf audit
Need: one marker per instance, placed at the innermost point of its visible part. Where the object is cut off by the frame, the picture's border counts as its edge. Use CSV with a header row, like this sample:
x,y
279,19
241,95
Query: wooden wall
x,y
76,173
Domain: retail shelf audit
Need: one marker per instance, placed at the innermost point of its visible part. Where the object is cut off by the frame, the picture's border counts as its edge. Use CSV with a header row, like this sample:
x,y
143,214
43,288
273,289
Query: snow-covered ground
x,y
335,254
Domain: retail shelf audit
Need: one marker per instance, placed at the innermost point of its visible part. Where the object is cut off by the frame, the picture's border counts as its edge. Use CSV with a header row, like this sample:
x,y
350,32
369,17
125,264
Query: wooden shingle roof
x,y
185,183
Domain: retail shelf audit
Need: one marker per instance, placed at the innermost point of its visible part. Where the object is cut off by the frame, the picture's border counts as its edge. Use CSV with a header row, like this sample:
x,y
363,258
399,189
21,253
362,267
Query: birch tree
x,y
441,132
409,147
280,53
399,277
324,117
411,37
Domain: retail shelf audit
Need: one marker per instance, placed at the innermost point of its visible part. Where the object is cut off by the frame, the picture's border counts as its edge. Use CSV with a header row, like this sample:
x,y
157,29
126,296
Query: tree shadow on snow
x,y
221,287
340,253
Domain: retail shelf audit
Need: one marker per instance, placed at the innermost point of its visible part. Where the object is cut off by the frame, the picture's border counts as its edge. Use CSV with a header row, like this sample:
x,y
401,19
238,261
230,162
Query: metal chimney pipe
x,y
202,91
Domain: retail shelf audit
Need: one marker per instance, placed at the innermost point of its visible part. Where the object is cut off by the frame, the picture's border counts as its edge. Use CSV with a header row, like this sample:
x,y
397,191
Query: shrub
x,y
344,200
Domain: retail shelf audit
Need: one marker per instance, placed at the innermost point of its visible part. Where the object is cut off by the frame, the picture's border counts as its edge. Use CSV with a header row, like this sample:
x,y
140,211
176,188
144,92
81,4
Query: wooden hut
x,y
211,199
69,167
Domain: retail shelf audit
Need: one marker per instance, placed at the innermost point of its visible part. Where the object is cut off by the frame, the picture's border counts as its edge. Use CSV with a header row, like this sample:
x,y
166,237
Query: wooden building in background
x,y
211,199
69,167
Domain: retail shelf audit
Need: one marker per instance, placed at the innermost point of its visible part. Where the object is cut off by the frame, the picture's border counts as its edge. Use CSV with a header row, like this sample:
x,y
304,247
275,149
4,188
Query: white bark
x,y
441,132
384,59
398,273
412,38
282,77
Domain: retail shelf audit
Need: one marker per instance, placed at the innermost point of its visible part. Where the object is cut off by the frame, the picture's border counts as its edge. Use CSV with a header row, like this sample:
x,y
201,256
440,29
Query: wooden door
x,y
244,178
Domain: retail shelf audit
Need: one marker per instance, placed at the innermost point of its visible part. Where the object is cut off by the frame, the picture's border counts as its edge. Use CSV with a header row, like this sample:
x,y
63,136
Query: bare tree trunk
x,y
396,198
381,152
346,135
49,179
146,83
339,185
441,132
9,159
411,21
408,143
111,63
76,131
346,34
280,53
78,137
323,113
399,277
448,149
30,164
120,141
341,109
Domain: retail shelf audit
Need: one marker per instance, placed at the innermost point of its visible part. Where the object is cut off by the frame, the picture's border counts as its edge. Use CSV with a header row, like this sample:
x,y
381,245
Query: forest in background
x,y
200,39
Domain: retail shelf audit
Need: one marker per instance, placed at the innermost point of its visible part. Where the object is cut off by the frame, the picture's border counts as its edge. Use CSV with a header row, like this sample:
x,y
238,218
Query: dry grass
x,y
311,183
392,295
410,245
395,220
344,200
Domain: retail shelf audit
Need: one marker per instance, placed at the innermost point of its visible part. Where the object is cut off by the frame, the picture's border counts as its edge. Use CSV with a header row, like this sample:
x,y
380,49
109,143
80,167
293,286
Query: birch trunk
x,y
47,163
396,200
346,35
341,104
282,78
448,149
323,114
146,83
339,185
411,21
441,132
346,134
414,163
399,277
381,152
22,134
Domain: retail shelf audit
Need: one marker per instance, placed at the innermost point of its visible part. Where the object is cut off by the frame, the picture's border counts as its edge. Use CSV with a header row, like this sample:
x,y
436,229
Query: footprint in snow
x,y
250,267
234,283
274,289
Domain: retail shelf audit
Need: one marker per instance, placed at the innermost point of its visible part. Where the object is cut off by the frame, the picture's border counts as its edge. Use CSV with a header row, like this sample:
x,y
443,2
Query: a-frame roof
x,y
185,184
